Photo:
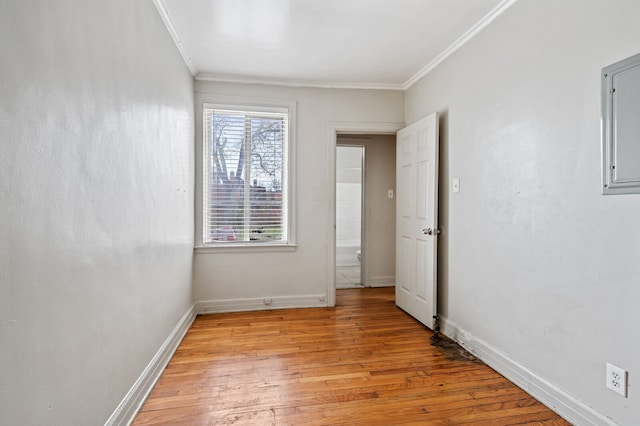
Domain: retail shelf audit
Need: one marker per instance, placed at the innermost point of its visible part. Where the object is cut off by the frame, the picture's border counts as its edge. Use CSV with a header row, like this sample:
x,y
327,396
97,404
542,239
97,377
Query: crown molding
x,y
164,14
472,32
222,78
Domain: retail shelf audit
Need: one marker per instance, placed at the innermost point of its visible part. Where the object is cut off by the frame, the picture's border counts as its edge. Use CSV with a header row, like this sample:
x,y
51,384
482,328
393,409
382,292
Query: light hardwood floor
x,y
365,362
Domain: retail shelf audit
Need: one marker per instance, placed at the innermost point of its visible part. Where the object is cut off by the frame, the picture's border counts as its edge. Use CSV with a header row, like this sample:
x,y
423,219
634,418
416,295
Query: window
x,y
246,175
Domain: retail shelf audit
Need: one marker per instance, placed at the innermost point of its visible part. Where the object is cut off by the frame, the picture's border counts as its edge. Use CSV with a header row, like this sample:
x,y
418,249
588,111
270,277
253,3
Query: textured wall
x,y
533,260
96,201
226,275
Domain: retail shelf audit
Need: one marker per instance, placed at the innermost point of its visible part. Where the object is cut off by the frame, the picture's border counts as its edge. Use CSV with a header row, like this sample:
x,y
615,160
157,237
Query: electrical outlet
x,y
617,379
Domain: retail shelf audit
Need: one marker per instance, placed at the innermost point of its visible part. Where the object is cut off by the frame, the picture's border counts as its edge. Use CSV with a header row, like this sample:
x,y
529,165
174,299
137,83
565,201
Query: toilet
x,y
358,254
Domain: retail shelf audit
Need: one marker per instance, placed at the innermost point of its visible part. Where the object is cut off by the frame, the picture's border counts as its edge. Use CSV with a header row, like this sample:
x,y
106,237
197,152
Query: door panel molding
x,y
417,201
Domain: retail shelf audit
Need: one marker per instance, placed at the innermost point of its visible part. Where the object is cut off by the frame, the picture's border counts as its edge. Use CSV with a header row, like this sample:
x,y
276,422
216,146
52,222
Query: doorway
x,y
340,130
365,179
349,218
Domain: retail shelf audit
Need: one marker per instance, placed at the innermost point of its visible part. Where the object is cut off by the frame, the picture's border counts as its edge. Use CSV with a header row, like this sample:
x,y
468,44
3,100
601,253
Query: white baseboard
x,y
128,408
382,281
570,408
261,304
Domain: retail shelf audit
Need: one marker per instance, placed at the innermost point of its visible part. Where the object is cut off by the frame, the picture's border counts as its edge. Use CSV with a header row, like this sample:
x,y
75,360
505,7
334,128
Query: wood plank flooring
x,y
365,362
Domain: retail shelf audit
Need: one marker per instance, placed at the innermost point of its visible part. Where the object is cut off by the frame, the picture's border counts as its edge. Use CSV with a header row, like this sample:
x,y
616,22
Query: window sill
x,y
246,248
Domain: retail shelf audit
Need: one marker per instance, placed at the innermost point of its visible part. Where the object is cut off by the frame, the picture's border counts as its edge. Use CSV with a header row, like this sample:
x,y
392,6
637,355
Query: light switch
x,y
390,193
456,184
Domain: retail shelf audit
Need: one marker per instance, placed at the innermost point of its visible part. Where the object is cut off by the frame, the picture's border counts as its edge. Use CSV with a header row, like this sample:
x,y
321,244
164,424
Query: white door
x,y
417,219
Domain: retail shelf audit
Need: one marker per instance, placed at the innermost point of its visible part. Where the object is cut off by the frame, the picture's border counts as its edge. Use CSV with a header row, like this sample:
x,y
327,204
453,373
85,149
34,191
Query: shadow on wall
x,y
444,180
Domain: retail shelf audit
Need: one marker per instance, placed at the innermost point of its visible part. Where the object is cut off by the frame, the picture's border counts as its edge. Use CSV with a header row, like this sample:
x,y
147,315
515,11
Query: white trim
x,y
221,78
333,128
128,408
382,281
224,78
166,18
468,35
246,248
261,304
133,400
573,410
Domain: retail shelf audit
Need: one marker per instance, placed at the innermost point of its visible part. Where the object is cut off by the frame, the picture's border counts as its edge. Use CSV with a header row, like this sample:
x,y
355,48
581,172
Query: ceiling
x,y
384,44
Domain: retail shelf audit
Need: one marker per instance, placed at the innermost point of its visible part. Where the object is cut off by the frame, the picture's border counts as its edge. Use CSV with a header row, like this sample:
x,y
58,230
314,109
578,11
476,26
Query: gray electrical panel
x,y
621,127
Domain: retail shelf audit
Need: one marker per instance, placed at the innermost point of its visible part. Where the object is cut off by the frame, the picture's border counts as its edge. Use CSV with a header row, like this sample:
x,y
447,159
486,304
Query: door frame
x,y
333,129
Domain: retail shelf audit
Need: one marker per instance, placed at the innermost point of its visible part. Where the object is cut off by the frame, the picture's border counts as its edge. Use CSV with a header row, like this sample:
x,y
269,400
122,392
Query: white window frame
x,y
242,103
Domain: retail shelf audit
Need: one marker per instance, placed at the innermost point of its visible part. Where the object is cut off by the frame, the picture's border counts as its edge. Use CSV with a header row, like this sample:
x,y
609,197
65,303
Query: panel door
x,y
417,219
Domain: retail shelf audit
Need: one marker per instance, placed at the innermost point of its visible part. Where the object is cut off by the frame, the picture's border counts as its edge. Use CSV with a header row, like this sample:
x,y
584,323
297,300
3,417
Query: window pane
x,y
246,162
227,199
266,178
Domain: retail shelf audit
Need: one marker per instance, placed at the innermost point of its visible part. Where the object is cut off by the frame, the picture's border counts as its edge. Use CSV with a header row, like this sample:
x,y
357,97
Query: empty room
x,y
170,194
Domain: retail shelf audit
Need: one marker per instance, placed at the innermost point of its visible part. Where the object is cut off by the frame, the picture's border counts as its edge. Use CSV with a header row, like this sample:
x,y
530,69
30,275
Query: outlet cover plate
x,y
456,184
617,379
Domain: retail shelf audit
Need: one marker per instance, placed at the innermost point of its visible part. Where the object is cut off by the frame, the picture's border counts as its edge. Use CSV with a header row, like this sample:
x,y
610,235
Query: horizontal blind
x,y
245,176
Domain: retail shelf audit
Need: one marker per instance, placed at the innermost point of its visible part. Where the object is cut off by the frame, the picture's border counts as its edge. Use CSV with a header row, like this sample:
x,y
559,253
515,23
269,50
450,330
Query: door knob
x,y
430,231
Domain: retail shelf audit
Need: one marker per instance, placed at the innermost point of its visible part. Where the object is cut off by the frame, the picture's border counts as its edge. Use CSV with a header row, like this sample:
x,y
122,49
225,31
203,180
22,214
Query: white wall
x,y
535,264
96,184
236,276
380,211
349,162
